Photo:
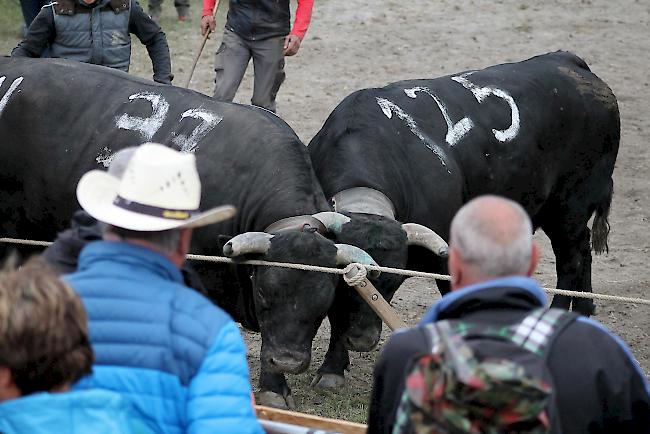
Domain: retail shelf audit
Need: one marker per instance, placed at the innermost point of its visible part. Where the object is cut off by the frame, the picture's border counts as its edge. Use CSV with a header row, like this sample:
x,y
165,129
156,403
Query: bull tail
x,y
600,228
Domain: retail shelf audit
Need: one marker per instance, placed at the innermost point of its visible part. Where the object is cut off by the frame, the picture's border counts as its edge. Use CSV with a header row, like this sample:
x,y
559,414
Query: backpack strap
x,y
538,330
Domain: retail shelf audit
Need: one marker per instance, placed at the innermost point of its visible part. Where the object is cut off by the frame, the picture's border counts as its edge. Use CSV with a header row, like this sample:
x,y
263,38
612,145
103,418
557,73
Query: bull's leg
x,y
274,390
331,374
573,265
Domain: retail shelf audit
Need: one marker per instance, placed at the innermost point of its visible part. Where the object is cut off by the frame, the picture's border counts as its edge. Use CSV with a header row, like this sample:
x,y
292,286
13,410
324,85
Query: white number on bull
x,y
190,143
147,127
455,131
9,92
388,107
480,93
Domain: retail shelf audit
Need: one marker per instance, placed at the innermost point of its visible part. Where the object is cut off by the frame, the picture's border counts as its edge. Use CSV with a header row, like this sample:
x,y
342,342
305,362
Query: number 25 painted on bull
x,y
9,92
456,131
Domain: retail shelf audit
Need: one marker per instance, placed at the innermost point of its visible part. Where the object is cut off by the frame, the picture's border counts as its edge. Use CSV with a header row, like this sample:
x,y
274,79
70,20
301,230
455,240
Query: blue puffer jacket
x,y
176,357
77,412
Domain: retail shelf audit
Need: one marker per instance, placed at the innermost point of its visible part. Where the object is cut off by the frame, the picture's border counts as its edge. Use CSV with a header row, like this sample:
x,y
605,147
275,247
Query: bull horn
x,y
422,236
249,242
347,254
333,221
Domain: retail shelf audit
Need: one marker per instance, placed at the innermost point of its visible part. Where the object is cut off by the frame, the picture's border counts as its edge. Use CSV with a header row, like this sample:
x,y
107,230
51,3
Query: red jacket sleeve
x,y
303,17
208,7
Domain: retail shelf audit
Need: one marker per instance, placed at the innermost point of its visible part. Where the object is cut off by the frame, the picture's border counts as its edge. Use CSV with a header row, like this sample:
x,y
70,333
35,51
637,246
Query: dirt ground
x,y
354,44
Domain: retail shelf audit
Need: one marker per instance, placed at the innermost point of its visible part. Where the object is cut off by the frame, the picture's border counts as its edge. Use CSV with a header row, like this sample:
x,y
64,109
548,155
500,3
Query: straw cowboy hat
x,y
159,190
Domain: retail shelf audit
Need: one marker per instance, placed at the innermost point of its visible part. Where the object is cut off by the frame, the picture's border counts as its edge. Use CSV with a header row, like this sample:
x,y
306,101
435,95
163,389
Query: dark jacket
x,y
259,19
599,385
43,32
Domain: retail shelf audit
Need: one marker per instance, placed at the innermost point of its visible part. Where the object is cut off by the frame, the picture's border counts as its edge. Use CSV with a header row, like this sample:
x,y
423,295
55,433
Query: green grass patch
x,y
11,19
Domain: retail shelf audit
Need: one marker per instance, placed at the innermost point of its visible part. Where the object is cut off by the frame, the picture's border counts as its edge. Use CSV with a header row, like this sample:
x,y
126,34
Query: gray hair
x,y
167,241
494,235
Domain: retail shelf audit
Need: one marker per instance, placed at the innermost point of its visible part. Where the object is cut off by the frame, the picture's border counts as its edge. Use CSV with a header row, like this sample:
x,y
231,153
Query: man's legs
x,y
268,63
230,65
183,9
155,9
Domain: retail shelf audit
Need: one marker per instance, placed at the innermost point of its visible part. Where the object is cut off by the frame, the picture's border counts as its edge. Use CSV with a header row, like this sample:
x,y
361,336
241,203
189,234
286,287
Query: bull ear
x,y
333,221
246,243
422,236
347,254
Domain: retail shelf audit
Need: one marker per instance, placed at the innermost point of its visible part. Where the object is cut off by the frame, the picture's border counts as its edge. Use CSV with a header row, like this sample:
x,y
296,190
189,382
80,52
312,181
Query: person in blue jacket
x,y
44,348
172,354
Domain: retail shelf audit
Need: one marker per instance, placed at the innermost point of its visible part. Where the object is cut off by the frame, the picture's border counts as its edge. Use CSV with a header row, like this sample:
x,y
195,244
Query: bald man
x,y
599,386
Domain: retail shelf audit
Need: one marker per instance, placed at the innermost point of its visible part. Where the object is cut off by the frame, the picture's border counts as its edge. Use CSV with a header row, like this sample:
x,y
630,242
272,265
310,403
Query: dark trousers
x,y
30,9
232,60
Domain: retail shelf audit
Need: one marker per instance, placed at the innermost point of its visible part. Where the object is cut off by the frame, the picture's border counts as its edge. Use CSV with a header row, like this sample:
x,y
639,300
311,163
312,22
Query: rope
x,y
358,277
343,271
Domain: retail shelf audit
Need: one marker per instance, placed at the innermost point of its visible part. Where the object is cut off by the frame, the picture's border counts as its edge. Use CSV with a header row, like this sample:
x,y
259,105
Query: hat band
x,y
154,211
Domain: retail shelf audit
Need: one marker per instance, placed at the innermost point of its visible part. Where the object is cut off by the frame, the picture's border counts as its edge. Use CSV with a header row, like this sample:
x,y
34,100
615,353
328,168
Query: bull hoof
x,y
275,400
328,381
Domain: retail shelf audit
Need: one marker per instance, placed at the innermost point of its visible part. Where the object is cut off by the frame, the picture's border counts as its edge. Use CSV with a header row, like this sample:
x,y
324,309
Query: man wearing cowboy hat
x,y
178,359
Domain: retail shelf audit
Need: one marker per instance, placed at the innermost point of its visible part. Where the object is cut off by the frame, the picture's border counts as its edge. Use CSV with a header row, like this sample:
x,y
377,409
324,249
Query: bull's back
x,y
65,118
530,131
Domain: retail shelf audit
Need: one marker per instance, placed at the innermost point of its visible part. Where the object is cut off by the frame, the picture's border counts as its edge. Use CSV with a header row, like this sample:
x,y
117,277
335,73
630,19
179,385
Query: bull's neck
x,y
364,200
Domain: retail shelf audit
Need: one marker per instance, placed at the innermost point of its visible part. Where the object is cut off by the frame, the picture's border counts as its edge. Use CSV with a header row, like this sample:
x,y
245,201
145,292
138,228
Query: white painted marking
x,y
10,91
388,108
480,93
105,157
147,127
455,131
191,142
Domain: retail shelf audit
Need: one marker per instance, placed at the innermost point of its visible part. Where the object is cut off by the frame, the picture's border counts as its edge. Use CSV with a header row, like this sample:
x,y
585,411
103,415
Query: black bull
x,y
543,132
59,119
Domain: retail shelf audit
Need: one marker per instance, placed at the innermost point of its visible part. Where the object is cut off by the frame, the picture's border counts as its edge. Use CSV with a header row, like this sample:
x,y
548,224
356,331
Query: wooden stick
x,y
307,420
377,302
205,39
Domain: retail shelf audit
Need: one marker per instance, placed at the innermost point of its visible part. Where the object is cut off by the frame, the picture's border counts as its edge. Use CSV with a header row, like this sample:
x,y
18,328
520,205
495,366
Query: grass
x,y
10,20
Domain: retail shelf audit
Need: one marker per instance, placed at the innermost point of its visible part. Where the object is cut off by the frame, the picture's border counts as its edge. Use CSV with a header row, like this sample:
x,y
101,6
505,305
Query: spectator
x,y
259,30
97,32
176,357
44,349
63,254
598,386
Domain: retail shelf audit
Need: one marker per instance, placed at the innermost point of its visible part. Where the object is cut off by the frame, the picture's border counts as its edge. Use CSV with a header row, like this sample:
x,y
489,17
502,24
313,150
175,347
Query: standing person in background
x,y
30,9
97,32
182,9
262,30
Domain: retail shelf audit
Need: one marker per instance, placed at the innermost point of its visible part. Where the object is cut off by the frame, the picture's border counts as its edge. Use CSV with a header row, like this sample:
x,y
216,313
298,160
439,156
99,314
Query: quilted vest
x,y
98,35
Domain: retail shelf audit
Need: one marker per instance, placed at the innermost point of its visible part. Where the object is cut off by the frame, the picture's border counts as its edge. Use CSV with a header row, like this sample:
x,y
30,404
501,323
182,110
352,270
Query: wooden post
x,y
377,302
309,421
205,39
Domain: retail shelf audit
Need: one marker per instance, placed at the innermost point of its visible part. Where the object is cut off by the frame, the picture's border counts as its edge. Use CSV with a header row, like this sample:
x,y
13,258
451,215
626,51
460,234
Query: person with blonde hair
x,y
44,349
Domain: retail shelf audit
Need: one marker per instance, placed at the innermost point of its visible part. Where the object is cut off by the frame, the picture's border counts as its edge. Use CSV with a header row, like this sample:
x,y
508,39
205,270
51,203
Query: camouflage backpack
x,y
481,379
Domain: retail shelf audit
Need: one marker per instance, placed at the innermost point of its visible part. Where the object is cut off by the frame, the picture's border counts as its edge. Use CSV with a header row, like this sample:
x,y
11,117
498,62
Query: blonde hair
x,y
43,329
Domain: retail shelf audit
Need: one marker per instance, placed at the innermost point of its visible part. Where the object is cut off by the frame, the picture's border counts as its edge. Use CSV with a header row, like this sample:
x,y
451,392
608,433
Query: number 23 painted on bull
x,y
147,127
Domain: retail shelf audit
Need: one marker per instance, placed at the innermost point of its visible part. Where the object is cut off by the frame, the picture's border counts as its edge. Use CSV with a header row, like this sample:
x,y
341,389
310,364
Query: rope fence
x,y
343,271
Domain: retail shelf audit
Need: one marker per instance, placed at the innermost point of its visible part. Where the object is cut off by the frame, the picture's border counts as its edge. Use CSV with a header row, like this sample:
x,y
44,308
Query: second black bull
x,y
543,132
